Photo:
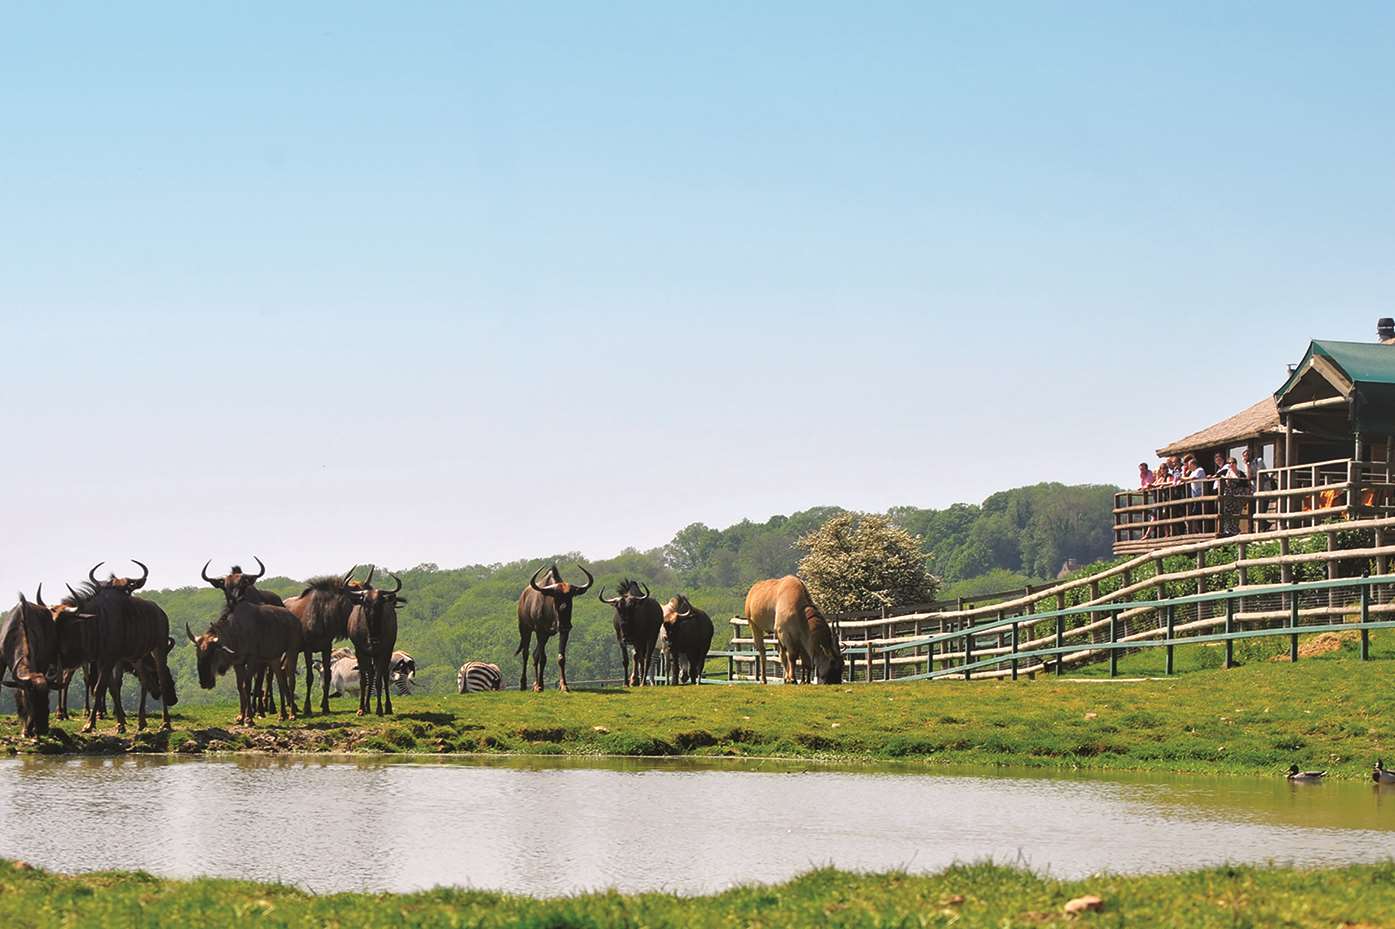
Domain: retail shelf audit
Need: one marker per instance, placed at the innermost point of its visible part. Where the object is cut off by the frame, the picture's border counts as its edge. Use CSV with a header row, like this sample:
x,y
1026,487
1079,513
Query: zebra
x,y
478,676
402,673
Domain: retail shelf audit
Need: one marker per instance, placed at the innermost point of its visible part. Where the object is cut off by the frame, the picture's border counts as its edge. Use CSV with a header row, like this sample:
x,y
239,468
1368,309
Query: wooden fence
x,y
1129,605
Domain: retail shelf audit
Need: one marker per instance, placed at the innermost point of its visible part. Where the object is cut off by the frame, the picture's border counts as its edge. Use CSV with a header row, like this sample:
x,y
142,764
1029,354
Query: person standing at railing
x,y
1196,476
1233,487
1146,477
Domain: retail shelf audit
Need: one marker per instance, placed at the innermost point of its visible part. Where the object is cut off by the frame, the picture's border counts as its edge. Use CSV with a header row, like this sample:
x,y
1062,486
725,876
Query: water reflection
x,y
556,827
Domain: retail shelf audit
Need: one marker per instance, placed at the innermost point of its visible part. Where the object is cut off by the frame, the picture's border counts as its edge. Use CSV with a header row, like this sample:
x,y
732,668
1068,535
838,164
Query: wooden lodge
x,y
1325,443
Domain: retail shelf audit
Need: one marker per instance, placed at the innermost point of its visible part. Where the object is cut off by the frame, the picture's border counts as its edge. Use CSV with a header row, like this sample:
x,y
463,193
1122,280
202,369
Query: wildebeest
x,y
248,638
478,677
782,606
323,610
120,631
544,611
638,619
688,632
236,586
373,630
29,651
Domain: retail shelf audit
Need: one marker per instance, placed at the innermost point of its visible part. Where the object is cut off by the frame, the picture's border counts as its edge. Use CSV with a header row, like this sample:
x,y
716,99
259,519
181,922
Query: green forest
x,y
1013,538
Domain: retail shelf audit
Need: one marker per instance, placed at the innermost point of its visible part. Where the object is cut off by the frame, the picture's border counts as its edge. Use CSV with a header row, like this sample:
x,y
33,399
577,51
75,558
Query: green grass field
x,y
967,896
1333,712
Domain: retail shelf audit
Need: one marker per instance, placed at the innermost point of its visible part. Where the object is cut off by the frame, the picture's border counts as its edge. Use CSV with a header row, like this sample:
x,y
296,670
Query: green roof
x,y
1361,362
1370,366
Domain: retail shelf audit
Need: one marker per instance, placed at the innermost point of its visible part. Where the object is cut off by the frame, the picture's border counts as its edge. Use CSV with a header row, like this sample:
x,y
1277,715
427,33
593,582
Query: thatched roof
x,y
1260,419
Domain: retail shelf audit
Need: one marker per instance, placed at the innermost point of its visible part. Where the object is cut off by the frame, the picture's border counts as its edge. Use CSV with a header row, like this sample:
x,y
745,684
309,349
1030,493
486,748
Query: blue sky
x,y
346,282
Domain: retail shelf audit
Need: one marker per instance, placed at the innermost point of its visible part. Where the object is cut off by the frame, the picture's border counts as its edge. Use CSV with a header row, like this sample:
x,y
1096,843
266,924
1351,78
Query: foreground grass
x,y
966,896
1333,712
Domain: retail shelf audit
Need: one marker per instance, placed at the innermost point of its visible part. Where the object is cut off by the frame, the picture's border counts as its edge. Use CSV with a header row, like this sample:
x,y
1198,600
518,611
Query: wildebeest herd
x,y
104,629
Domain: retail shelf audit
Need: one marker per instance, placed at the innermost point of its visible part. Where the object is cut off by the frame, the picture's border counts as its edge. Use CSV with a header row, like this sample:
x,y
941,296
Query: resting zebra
x,y
344,676
403,673
477,676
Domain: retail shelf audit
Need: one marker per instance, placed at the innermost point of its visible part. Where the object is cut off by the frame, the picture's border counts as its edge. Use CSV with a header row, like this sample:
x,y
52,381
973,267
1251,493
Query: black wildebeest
x,y
323,610
250,637
117,631
638,619
29,650
373,630
236,586
544,611
689,634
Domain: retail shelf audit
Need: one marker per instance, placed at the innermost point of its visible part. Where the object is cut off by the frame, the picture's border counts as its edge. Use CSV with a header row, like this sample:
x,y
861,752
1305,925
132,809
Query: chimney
x,y
1385,330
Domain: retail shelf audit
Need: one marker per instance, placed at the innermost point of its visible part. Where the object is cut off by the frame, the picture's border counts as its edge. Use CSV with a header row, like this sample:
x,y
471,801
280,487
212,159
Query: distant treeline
x,y
1014,537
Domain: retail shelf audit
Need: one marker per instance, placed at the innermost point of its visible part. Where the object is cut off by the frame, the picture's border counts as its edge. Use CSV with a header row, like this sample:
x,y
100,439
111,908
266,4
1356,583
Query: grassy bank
x,y
968,896
1333,712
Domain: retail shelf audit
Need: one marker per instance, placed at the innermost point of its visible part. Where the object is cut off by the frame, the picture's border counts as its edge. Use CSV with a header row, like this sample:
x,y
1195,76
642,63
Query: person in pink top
x,y
1145,476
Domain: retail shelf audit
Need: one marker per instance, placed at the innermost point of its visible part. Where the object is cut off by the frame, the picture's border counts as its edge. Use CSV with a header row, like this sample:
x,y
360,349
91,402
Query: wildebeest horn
x,y
145,573
344,582
601,596
258,576
73,592
646,589
399,583
215,581
190,633
533,583
228,650
589,581
39,597
369,579
92,575
686,613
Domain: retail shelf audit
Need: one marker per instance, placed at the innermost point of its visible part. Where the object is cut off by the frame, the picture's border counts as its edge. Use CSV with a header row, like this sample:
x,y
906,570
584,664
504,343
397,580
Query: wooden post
x,y
1171,611
968,650
1244,572
1229,628
1332,572
1113,638
1382,561
1365,618
886,664
1354,482
1060,631
1014,651
1201,580
1293,624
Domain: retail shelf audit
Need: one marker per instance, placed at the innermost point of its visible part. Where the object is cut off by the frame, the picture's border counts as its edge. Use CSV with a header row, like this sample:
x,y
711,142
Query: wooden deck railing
x,y
1292,497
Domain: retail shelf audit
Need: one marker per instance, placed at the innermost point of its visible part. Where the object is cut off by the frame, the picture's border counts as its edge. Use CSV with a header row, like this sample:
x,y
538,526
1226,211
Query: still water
x,y
546,829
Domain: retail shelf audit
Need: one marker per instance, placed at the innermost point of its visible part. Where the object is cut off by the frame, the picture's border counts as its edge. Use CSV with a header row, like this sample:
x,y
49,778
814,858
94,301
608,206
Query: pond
x,y
547,828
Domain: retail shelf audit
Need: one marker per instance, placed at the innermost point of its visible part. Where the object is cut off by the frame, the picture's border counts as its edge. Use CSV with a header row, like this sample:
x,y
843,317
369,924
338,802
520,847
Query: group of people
x,y
1181,478
1188,469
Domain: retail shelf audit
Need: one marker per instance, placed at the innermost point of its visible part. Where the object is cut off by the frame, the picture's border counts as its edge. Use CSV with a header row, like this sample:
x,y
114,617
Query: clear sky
x,y
457,283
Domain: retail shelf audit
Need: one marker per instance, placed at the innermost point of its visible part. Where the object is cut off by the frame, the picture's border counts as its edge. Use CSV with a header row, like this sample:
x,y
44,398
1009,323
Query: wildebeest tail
x,y
167,695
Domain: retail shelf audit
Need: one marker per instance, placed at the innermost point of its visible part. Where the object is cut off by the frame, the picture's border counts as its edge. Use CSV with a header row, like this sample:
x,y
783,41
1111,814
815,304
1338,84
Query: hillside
x,y
1012,538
